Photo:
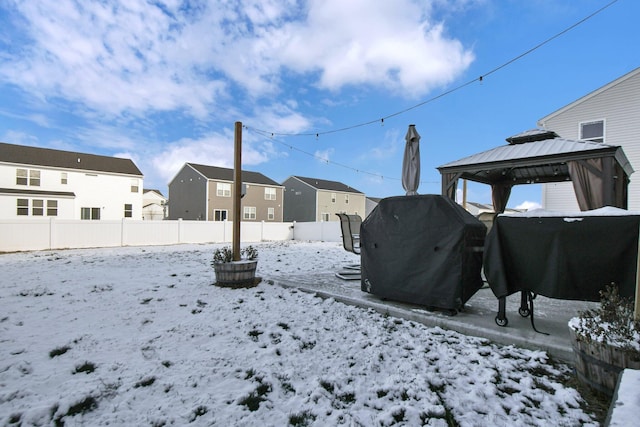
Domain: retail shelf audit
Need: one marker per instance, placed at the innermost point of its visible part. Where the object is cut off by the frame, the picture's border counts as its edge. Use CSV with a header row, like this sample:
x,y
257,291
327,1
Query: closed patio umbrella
x,y
411,162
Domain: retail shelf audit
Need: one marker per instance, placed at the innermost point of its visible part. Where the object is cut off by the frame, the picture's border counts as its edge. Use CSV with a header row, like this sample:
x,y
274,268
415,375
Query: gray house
x,y
313,199
200,192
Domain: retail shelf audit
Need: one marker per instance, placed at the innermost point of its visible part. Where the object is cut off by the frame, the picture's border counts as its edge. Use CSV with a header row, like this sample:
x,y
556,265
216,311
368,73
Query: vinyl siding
x,y
619,106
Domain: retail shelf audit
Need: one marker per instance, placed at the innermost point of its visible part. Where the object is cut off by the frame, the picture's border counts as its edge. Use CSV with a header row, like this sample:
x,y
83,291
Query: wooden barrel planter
x,y
236,274
598,365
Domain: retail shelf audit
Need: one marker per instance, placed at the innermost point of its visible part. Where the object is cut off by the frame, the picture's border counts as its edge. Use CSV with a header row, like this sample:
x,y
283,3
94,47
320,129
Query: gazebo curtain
x,y
598,183
500,193
588,184
450,184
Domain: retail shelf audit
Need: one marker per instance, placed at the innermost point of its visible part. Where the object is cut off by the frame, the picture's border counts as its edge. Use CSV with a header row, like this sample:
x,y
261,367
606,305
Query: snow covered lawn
x,y
139,336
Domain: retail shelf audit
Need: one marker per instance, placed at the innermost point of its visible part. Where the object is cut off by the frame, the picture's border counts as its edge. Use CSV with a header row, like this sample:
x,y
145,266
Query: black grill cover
x,y
423,249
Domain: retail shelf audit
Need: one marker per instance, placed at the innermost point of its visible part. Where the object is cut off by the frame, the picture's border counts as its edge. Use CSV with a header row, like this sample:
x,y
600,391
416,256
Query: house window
x,y
269,193
22,177
134,185
52,208
324,216
63,178
249,212
271,214
128,210
34,178
23,207
37,207
220,214
592,131
333,197
346,199
90,213
223,189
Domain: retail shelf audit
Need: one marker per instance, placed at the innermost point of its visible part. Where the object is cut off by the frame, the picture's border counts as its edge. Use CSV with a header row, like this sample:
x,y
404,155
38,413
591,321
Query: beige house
x,y
609,115
314,200
200,192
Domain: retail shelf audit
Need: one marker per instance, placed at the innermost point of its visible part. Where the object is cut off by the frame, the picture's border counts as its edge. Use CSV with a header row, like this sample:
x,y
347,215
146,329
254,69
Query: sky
x,y
163,82
96,345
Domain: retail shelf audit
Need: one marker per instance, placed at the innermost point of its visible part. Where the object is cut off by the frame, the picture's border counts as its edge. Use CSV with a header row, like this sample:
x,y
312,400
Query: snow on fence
x,y
43,234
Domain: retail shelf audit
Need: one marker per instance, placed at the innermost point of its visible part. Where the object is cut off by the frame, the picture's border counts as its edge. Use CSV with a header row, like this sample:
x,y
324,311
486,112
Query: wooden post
x,y
237,190
464,193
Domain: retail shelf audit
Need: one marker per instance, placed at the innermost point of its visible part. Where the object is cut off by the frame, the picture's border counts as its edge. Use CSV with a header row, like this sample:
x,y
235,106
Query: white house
x,y
41,183
610,115
154,205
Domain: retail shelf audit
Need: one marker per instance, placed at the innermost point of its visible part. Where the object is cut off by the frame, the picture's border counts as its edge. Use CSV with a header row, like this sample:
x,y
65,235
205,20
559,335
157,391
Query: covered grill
x,y
423,249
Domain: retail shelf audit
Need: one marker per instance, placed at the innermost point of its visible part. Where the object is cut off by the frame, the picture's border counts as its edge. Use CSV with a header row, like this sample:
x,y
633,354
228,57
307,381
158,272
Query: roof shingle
x,y
25,155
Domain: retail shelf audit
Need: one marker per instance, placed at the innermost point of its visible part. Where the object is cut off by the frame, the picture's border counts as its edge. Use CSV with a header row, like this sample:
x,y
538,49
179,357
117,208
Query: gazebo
x,y
599,172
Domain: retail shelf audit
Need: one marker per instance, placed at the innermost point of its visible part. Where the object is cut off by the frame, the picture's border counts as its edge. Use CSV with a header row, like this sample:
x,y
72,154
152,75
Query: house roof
x,y
324,184
36,192
24,155
147,190
226,174
528,158
590,95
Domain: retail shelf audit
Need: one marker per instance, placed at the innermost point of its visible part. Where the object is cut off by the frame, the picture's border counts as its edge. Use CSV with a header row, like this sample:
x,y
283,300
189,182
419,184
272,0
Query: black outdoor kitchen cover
x,y
423,249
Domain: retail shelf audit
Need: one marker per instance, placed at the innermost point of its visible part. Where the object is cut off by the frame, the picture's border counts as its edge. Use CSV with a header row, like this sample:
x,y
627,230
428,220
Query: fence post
x,y
51,232
179,230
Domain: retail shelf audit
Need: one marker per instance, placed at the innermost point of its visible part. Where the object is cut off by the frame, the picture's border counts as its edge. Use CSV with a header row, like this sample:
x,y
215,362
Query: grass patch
x,y
255,334
253,400
59,351
327,386
86,367
302,419
198,412
145,382
87,404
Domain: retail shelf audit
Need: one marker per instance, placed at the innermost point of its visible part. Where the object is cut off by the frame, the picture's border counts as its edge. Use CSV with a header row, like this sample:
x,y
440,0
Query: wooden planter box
x,y
598,365
236,274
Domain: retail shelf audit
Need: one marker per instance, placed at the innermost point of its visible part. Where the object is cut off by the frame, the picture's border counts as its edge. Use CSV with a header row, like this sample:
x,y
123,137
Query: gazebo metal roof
x,y
533,156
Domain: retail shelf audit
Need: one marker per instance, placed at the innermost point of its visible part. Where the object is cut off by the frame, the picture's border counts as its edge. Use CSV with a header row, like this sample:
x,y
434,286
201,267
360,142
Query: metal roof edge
x,y
588,96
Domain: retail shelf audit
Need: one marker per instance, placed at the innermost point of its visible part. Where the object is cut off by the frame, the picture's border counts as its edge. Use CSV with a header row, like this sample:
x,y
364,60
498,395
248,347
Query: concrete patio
x,y
477,319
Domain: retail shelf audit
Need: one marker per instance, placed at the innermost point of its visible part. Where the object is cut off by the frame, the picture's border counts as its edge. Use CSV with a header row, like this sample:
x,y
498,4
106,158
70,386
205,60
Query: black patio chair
x,y
350,227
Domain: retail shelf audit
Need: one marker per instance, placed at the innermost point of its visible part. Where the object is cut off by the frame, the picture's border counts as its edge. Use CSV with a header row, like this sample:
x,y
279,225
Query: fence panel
x,y
42,234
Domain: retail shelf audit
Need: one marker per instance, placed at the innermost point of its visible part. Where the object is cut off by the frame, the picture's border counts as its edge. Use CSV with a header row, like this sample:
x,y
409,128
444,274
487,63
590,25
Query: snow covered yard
x,y
139,336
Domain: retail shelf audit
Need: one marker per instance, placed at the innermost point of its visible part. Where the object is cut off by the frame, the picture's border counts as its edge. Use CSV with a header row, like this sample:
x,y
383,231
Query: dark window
x,y
23,207
37,208
128,210
592,131
90,213
220,215
34,178
52,208
22,177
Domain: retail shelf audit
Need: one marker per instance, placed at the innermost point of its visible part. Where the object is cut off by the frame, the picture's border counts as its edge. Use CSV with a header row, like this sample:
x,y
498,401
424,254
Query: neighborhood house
x,y
312,199
46,183
205,193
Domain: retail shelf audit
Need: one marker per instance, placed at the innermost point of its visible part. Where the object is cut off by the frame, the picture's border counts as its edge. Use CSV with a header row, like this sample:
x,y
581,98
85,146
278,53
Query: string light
x,y
455,89
327,161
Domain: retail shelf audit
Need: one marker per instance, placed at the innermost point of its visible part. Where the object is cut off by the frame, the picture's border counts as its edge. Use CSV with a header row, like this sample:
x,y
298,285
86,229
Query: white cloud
x,y
216,149
118,58
324,156
392,45
527,205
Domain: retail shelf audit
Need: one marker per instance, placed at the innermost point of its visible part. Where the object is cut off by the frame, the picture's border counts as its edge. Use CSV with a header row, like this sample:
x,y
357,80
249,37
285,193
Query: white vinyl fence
x,y
42,234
